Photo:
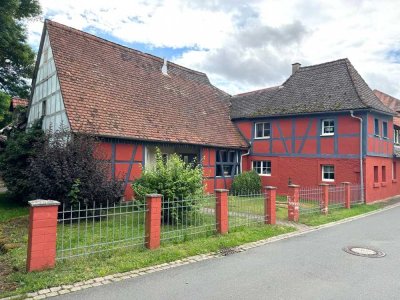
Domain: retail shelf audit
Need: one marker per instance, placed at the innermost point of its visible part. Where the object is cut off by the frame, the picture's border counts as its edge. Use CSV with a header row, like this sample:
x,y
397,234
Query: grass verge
x,y
10,209
317,219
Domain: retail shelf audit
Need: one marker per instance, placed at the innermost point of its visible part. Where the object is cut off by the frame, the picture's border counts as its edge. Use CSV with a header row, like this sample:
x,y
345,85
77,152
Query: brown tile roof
x,y
327,87
121,92
391,102
16,101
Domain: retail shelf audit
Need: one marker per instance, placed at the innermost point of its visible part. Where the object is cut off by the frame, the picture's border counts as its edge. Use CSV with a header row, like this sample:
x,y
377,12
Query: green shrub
x,y
175,180
245,183
15,158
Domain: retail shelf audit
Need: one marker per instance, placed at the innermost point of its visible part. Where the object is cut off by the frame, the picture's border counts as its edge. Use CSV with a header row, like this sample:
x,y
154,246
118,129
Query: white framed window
x,y
262,130
384,129
262,167
328,127
328,173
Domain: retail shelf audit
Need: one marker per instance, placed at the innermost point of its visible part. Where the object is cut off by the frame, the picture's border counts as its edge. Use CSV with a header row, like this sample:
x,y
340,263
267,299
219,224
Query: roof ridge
x,y
340,60
255,91
114,44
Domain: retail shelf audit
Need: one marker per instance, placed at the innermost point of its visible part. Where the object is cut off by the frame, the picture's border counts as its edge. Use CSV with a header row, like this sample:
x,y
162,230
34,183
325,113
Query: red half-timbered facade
x,y
307,131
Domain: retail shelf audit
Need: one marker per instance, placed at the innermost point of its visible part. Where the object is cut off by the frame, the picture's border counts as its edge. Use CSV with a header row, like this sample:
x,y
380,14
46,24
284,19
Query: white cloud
x,y
243,45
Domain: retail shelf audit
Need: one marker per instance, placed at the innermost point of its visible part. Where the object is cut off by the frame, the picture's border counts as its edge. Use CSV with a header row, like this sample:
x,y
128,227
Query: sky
x,y
245,45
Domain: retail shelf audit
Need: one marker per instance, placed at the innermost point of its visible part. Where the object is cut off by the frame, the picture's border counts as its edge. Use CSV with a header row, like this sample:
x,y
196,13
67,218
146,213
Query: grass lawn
x,y
10,210
13,234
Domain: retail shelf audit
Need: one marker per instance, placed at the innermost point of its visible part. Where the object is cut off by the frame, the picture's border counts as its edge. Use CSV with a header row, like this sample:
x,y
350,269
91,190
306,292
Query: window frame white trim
x,y
262,161
263,137
322,173
323,127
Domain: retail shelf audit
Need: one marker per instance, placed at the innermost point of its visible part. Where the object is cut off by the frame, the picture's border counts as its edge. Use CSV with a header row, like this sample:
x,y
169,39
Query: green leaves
x,y
16,56
245,183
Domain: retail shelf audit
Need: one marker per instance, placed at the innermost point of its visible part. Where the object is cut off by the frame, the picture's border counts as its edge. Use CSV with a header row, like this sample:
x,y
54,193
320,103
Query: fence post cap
x,y
293,185
221,190
42,202
153,195
346,182
270,187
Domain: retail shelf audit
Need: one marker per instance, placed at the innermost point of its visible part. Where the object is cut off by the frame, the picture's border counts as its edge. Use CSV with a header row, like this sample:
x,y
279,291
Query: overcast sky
x,y
246,45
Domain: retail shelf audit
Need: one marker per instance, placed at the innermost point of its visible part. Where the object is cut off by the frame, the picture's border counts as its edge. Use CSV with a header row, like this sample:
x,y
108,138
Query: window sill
x,y
394,180
383,183
376,185
265,175
262,138
326,134
328,181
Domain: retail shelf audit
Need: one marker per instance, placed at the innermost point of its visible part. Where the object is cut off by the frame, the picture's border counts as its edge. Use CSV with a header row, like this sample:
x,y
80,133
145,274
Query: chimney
x,y
164,68
295,67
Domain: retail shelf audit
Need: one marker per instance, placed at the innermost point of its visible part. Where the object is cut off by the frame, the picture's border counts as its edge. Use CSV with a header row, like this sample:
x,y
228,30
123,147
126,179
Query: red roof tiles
x,y
391,102
120,92
16,101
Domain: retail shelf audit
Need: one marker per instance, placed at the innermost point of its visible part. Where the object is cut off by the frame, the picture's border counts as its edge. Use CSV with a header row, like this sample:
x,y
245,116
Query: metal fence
x,y
336,195
246,209
355,194
183,219
99,228
310,199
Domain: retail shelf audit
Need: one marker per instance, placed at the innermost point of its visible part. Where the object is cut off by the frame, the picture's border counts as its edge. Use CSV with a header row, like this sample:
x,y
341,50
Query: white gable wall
x,y
47,88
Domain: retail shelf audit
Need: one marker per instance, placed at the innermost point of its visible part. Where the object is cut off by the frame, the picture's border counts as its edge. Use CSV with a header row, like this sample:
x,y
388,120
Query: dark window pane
x,y
259,130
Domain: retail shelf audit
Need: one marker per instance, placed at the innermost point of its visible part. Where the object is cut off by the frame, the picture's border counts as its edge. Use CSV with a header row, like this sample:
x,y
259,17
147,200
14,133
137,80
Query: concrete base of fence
x,y
42,236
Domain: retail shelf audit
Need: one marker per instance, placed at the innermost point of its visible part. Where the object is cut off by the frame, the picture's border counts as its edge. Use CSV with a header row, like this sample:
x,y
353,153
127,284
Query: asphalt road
x,y
309,266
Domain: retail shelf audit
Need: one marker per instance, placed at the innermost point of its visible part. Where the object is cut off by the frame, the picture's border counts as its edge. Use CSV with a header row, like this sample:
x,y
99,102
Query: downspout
x,y
241,159
361,155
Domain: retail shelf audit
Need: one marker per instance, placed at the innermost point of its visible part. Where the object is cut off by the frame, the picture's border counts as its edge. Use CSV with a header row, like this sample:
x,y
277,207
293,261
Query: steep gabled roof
x,y
121,92
331,86
391,102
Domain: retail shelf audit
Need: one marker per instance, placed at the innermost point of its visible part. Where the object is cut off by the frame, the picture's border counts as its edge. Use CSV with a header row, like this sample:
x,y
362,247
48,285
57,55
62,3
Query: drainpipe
x,y
241,159
361,156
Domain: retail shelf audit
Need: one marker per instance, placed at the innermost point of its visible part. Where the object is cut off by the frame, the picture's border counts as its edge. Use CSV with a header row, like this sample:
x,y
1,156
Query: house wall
x,y
125,160
377,145
381,188
47,99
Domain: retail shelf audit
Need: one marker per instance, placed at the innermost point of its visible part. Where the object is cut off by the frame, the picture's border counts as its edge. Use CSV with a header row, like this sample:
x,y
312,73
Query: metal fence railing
x,y
336,196
310,199
355,194
183,219
246,209
84,230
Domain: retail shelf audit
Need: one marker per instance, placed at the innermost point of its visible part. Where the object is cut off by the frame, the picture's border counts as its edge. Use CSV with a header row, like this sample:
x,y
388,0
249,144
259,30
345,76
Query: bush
x,y
247,182
174,179
68,168
15,158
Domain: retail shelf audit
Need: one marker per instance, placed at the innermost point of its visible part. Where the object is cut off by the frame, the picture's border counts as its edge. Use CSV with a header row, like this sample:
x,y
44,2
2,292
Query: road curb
x,y
70,288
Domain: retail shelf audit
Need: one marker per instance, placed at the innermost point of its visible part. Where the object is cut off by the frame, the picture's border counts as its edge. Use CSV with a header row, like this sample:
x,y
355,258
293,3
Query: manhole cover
x,y
363,251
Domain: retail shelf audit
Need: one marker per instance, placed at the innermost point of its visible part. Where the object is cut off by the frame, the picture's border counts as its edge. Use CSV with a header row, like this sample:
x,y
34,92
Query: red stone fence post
x,y
153,221
325,198
270,205
42,236
347,194
293,203
221,211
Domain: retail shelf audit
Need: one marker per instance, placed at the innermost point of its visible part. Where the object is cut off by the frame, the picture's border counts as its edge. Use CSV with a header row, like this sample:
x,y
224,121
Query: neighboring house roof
x,y
327,87
16,101
391,102
121,92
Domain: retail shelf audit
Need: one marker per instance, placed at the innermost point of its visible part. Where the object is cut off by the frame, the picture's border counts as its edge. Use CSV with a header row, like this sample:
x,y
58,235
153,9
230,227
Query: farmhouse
x,y
314,128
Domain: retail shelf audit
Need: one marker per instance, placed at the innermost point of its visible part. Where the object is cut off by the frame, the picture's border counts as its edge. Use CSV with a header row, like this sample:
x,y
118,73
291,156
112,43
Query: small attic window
x,y
43,108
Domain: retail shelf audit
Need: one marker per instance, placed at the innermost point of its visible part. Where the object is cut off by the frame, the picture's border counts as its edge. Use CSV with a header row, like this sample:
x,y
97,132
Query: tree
x,y
5,115
16,56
